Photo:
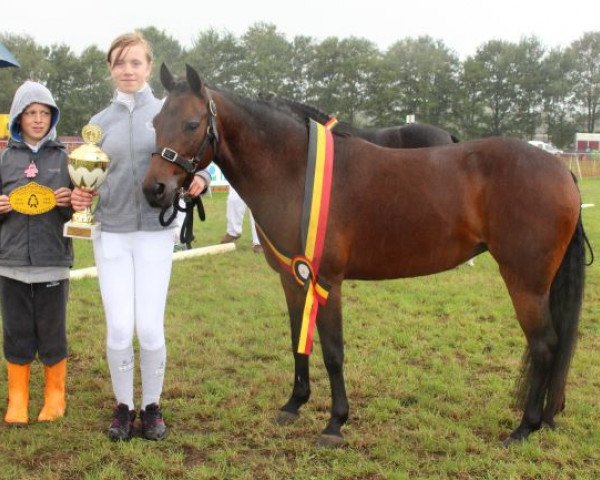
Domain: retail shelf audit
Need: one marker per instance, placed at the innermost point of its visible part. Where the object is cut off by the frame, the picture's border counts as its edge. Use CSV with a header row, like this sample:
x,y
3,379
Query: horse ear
x,y
194,80
166,78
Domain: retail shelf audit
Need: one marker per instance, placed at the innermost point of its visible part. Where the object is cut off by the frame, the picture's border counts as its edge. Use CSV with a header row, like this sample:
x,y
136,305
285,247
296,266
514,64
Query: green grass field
x,y
430,369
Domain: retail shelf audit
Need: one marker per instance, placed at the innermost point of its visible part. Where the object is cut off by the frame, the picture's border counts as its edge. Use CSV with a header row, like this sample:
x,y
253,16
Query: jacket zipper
x,y
134,176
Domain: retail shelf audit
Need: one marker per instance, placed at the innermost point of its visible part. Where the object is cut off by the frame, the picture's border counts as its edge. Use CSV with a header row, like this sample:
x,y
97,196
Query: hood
x,y
28,93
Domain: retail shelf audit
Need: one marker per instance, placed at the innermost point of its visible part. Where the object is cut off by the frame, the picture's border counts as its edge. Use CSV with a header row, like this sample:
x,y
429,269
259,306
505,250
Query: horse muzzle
x,y
158,194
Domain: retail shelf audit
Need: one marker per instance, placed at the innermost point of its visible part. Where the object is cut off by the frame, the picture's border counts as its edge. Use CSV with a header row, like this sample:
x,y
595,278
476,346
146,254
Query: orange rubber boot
x,y
18,394
55,402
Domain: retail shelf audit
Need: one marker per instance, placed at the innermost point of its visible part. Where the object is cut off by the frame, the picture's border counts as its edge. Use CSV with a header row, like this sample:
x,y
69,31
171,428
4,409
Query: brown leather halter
x,y
212,138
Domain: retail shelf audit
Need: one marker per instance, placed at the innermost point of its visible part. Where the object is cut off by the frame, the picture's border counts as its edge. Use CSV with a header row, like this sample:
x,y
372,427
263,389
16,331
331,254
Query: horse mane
x,y
298,111
342,129
305,112
302,109
251,105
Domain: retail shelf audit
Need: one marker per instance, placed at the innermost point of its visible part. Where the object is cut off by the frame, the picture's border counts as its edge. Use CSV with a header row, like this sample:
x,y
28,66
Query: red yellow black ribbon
x,y
315,211
329,124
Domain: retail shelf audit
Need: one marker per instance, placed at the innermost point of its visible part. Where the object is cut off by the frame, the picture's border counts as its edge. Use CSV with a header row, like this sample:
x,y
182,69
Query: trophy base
x,y
81,230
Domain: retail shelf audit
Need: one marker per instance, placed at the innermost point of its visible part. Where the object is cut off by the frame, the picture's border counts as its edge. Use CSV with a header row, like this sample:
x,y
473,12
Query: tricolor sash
x,y
315,211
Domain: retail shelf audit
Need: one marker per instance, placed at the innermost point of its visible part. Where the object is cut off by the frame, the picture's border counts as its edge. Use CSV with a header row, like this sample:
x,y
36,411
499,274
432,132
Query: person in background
x,y
133,251
35,258
236,208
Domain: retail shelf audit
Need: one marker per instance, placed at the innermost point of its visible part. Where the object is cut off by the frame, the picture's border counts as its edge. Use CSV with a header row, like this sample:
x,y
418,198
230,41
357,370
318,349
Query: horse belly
x,y
425,249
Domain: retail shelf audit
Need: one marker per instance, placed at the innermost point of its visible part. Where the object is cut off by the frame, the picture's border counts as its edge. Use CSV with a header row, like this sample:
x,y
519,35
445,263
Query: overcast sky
x,y
463,25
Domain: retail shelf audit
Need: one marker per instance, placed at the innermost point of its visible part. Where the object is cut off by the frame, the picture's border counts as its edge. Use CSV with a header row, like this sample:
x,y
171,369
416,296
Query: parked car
x,y
548,147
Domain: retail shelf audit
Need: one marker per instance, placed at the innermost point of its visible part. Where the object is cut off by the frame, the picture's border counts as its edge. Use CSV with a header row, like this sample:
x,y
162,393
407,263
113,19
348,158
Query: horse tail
x,y
566,296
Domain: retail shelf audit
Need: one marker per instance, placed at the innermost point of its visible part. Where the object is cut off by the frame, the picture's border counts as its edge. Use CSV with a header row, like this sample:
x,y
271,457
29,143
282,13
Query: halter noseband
x,y
211,137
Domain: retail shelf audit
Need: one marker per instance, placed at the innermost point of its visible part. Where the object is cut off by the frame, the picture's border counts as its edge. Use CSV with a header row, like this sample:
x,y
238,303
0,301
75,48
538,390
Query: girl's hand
x,y
81,199
197,186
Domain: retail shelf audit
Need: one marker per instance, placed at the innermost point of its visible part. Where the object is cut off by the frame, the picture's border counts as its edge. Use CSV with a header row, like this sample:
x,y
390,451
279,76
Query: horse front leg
x,y
294,297
329,325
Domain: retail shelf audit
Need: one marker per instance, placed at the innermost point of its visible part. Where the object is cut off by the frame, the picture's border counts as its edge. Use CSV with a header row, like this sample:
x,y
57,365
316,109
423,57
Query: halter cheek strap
x,y
211,138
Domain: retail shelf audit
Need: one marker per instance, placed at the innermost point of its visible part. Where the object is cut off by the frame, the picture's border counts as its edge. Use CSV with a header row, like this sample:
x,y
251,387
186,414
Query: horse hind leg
x,y
566,298
550,323
536,371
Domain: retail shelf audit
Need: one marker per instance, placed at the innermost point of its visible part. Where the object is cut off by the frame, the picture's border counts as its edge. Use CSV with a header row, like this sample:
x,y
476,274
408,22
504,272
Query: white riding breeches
x,y
134,270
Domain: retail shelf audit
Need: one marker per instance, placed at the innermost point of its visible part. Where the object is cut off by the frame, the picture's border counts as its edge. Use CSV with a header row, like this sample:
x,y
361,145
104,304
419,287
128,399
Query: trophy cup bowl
x,y
87,168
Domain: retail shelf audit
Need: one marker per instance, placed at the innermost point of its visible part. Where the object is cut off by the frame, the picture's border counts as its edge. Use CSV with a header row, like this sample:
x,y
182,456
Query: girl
x,y
133,251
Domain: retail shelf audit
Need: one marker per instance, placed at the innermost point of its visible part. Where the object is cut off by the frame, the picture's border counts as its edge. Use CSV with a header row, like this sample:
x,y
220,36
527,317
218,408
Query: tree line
x,y
518,89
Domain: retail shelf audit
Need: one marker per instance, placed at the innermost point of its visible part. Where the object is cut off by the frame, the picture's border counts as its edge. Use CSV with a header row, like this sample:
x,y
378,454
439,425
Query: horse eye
x,y
193,125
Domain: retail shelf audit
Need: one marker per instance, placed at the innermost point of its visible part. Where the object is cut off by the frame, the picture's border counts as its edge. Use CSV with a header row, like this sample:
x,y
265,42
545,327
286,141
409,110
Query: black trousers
x,y
34,320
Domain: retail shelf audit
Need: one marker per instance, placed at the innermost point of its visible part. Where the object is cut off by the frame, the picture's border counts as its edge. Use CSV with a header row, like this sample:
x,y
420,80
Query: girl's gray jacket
x,y
34,240
129,140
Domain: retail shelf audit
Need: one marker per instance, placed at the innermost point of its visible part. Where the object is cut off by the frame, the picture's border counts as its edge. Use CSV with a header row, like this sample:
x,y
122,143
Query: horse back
x,y
421,211
413,135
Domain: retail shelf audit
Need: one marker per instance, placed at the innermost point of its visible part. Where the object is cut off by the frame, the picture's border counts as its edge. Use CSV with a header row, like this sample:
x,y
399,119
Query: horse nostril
x,y
158,190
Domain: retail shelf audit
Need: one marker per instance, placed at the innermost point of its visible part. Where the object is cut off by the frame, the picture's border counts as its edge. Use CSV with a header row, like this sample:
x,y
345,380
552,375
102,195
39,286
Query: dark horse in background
x,y
399,213
412,135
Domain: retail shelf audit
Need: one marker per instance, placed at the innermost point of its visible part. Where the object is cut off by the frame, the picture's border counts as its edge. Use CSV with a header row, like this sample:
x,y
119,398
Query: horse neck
x,y
262,153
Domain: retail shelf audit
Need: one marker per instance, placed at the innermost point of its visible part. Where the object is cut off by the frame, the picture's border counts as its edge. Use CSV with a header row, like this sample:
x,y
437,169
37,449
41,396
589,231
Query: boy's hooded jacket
x,y
34,240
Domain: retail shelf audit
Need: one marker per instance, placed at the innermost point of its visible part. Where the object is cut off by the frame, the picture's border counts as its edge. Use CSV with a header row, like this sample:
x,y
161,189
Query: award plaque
x,y
87,168
32,199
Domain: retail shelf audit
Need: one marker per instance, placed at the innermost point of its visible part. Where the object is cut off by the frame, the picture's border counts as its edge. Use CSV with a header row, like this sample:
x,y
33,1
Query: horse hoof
x,y
549,423
516,437
507,442
285,418
330,441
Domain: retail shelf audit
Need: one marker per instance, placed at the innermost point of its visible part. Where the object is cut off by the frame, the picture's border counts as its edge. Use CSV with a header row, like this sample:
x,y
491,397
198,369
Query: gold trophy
x,y
87,168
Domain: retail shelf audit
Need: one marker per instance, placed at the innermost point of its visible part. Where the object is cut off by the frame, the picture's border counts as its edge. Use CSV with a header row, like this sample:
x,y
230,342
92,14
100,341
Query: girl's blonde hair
x,y
127,40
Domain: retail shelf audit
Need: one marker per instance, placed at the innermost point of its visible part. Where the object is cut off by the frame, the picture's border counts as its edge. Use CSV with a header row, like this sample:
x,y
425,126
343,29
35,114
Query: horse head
x,y
186,136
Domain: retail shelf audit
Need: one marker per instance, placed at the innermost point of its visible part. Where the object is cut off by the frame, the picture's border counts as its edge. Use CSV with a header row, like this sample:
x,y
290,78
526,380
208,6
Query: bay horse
x,y
411,135
400,213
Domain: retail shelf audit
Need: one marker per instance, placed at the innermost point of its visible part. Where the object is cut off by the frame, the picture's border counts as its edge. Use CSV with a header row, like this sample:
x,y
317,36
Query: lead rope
x,y
186,235
187,227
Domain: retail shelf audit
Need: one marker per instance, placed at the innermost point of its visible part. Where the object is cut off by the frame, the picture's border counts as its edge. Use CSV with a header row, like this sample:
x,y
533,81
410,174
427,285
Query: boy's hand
x,y
4,204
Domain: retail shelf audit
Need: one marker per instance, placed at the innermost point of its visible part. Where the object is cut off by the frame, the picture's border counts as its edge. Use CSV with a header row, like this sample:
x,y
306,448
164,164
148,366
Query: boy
x,y
34,256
